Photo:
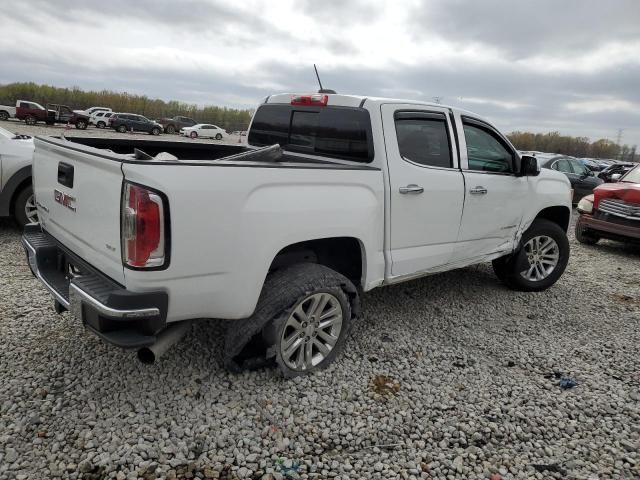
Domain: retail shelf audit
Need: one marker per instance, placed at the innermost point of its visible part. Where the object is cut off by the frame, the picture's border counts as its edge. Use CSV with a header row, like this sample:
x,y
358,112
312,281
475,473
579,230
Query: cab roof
x,y
341,100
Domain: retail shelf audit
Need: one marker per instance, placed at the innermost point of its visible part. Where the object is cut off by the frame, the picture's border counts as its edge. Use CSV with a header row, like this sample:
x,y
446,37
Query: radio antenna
x,y
322,90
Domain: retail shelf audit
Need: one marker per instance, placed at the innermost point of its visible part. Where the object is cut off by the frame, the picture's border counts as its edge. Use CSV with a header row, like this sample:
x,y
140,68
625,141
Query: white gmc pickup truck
x,y
333,195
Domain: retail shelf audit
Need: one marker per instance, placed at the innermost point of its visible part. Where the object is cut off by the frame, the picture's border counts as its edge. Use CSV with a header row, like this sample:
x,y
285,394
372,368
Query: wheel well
x,y
21,186
342,254
559,215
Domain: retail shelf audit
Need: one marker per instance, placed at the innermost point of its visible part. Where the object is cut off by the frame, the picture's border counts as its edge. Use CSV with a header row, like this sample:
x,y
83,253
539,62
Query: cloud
x,y
570,66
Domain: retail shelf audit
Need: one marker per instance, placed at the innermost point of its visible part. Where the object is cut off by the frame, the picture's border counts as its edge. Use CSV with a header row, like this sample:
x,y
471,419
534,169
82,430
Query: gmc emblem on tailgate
x,y
65,200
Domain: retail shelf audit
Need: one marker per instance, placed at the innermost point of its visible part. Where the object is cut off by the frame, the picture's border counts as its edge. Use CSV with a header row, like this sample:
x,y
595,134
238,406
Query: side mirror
x,y
615,177
529,166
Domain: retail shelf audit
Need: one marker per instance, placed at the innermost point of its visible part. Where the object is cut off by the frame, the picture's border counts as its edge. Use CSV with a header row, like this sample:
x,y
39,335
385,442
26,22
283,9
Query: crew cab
x,y
333,195
32,113
16,193
612,211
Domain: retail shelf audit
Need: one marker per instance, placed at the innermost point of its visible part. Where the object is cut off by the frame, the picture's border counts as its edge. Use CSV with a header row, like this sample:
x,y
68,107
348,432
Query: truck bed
x,y
196,153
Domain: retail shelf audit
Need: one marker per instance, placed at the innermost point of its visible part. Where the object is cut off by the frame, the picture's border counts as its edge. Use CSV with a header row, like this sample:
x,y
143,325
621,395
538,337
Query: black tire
x,y
155,131
81,124
584,235
101,124
219,136
122,129
19,205
508,269
283,291
193,135
170,129
4,115
30,120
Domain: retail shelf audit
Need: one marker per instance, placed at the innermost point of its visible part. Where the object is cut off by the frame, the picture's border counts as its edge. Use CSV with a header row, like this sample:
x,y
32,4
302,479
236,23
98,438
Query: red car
x,y
612,211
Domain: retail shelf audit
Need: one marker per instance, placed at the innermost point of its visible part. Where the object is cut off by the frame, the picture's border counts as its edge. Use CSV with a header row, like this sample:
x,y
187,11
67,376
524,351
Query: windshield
x,y
633,176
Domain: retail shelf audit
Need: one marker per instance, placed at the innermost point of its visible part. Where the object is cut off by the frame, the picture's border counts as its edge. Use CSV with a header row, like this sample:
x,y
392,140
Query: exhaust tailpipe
x,y
164,341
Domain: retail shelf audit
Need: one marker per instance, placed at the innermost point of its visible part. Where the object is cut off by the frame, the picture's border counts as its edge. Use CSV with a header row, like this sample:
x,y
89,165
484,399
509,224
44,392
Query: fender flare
x,y
13,185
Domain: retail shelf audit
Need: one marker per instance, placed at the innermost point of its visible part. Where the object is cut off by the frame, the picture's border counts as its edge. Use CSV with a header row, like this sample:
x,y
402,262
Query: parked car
x,y
90,111
7,112
123,122
289,228
583,180
612,211
617,168
63,114
32,112
175,124
101,118
16,193
204,130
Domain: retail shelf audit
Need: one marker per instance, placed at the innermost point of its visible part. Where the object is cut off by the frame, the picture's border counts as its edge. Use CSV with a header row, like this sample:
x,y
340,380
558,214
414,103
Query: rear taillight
x,y
315,100
143,227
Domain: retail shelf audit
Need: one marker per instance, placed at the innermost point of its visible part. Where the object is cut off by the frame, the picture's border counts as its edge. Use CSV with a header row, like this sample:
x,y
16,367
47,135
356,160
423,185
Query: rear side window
x,y
340,132
423,138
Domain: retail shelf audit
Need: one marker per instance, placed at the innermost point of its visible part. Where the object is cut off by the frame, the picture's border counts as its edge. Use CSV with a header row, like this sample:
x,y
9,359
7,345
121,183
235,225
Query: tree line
x,y
228,118
579,147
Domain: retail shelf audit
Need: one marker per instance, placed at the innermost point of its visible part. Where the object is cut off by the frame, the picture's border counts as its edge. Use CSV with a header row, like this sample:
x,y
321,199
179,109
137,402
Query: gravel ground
x,y
41,129
451,376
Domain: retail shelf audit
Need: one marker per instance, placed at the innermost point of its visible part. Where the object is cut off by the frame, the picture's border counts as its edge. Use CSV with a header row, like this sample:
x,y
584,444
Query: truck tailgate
x,y
78,193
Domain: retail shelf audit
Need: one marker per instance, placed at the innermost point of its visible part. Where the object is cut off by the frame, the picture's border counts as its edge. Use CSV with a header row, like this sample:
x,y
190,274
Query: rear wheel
x,y
219,136
30,120
303,317
584,235
193,134
155,131
540,261
24,207
170,129
4,115
122,129
101,124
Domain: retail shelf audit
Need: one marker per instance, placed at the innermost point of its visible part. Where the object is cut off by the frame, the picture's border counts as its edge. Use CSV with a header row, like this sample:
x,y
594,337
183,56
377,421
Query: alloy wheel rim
x,y
311,331
543,255
30,209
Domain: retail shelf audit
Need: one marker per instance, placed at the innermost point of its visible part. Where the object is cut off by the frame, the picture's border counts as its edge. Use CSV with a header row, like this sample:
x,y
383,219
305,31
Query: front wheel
x,y
303,318
584,235
24,207
155,131
193,134
540,261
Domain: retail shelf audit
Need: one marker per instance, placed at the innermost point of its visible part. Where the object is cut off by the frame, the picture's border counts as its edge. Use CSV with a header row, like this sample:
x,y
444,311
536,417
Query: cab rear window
x,y
338,132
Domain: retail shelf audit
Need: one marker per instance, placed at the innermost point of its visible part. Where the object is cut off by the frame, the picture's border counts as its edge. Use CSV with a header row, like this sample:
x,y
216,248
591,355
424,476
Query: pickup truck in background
x,y
332,196
175,124
7,112
32,113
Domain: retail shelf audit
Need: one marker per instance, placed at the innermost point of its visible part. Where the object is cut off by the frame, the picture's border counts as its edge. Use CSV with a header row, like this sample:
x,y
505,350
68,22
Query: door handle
x,y
478,191
413,188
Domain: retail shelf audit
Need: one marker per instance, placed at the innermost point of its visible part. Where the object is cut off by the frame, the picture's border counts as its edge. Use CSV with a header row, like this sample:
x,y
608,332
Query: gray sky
x,y
571,65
